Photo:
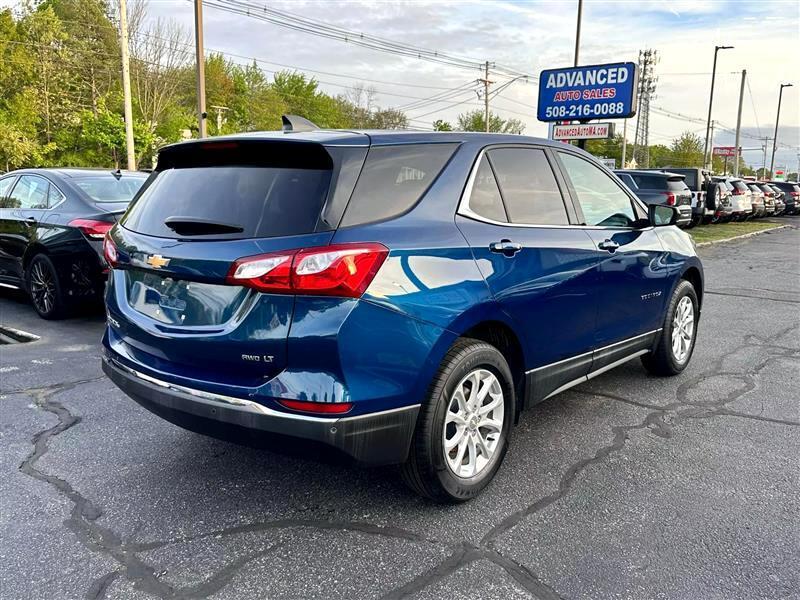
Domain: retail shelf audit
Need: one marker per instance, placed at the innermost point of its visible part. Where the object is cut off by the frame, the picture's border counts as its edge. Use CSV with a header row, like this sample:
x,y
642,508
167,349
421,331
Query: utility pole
x,y
486,83
126,84
578,32
739,125
710,164
777,118
220,111
624,141
764,163
201,69
711,101
646,92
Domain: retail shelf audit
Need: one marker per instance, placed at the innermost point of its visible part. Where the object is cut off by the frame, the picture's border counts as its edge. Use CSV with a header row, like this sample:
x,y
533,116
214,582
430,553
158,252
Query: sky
x,y
532,35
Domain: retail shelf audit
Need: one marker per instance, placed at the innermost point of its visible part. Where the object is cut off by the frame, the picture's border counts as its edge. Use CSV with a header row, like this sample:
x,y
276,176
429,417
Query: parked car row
x,y
712,198
52,225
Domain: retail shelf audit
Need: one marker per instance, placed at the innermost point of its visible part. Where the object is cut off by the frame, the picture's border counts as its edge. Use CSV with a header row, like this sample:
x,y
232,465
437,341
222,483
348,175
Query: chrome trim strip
x,y
553,364
614,364
10,286
566,386
247,405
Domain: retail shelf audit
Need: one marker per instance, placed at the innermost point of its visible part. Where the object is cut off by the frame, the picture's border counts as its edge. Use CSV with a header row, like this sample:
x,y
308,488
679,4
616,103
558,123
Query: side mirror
x,y
661,215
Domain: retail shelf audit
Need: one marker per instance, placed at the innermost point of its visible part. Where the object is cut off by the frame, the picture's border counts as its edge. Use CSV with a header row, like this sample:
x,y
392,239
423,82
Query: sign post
x,y
586,93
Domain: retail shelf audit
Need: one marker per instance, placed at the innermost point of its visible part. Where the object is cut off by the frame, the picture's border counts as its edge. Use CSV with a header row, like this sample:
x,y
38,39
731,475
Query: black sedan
x,y
52,224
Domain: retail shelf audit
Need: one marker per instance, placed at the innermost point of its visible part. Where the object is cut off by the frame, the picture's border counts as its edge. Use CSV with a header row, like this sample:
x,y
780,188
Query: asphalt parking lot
x,y
629,486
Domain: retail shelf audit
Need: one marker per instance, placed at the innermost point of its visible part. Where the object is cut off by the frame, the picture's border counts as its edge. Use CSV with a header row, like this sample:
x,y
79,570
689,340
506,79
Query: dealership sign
x,y
724,151
586,131
584,93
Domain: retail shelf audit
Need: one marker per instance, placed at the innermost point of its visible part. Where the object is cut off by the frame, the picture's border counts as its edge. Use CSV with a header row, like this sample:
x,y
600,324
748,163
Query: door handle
x,y
30,221
505,247
609,245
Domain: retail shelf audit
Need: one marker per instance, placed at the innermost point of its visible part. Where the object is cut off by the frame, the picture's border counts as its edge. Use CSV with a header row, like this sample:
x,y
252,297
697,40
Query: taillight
x,y
110,252
95,230
737,192
339,270
320,408
795,194
670,198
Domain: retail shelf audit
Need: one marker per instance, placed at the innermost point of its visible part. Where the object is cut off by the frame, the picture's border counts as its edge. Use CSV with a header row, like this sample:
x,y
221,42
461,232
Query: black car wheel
x,y
678,335
463,427
44,288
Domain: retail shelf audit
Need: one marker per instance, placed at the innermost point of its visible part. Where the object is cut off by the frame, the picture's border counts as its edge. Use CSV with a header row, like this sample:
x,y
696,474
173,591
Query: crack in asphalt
x,y
84,514
752,296
660,420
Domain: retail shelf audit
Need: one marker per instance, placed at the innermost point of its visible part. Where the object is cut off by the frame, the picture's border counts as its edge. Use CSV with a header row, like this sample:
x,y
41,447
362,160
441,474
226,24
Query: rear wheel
x,y
44,289
463,428
678,334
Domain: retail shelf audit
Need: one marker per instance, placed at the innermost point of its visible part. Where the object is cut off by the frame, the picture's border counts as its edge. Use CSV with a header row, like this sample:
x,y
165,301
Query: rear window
x,y
249,201
393,180
691,179
650,182
110,189
740,185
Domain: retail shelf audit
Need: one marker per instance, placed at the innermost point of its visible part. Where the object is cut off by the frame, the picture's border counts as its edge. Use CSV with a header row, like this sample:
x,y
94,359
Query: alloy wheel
x,y
42,287
473,423
683,329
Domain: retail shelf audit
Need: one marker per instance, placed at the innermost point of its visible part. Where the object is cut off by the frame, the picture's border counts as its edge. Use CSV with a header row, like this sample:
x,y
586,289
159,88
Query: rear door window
x,y
485,199
5,189
230,201
602,199
393,180
528,186
30,192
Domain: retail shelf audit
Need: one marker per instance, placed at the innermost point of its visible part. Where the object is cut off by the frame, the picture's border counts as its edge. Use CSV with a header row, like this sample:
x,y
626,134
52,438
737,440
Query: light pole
x,y
711,101
777,118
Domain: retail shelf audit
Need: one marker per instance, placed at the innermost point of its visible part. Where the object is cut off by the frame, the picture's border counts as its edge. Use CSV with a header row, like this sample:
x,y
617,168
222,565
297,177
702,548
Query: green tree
x,y
687,150
474,121
440,125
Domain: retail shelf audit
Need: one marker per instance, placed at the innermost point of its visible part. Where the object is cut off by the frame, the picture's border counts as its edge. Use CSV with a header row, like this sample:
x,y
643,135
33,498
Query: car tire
x,y
44,289
671,356
431,469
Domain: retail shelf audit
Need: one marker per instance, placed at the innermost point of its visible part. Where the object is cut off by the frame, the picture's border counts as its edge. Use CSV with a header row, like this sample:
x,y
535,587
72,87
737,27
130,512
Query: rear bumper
x,y
373,439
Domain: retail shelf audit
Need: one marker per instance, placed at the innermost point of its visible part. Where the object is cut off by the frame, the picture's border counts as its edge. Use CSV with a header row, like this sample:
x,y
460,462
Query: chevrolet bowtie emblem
x,y
157,261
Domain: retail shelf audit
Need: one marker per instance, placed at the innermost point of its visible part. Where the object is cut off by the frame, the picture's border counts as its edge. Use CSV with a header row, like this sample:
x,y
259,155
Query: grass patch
x,y
724,231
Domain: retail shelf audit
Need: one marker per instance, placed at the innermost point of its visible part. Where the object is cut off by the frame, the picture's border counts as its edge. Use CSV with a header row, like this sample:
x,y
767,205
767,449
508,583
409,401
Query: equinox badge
x,y
157,261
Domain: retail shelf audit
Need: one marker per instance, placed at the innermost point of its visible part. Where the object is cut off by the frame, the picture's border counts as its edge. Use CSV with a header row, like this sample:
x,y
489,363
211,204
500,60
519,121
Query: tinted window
x,y
5,188
393,180
261,201
602,199
30,192
739,185
528,186
691,179
650,182
485,199
54,196
110,189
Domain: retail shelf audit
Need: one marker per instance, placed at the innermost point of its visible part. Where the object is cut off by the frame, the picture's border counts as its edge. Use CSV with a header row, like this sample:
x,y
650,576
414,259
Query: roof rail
x,y
293,123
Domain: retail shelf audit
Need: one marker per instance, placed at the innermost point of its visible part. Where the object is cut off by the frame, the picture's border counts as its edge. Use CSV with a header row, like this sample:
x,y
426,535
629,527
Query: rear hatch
x,y
208,205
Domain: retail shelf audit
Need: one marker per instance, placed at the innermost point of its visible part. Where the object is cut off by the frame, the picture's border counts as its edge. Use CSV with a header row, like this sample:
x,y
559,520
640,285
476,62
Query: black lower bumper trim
x,y
374,439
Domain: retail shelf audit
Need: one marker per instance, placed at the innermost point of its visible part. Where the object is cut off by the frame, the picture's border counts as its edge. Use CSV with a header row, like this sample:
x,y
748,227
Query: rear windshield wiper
x,y
193,226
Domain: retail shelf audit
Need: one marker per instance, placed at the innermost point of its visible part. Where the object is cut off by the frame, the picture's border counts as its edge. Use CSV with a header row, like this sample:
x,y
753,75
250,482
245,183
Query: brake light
x,y
670,198
95,230
320,408
110,252
339,270
737,192
795,194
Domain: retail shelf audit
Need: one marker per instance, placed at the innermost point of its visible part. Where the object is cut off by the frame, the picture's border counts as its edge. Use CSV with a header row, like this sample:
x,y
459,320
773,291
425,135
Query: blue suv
x,y
398,296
